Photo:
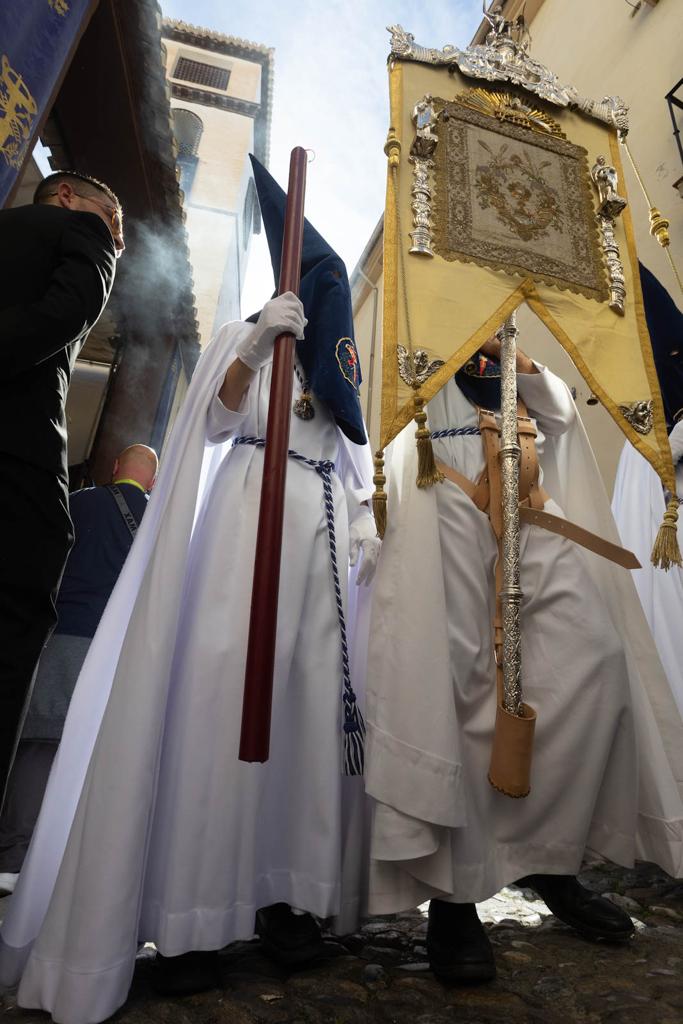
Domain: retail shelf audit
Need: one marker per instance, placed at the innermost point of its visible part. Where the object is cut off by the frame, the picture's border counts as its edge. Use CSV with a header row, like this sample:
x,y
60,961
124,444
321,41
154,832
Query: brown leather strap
x,y
478,491
586,539
529,469
547,521
481,492
490,436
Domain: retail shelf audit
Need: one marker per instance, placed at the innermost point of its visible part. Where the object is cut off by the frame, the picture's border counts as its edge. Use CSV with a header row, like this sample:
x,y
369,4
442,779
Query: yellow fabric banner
x,y
512,218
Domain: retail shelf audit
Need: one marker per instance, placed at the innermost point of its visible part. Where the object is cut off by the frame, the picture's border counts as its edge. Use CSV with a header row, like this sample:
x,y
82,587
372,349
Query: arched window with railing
x,y
188,129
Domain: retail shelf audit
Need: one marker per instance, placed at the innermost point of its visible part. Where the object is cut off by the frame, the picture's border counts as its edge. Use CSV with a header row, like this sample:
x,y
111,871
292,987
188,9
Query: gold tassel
x,y
379,498
666,552
427,473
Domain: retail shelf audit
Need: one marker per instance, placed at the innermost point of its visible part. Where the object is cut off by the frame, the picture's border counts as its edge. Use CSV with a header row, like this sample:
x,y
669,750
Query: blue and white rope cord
x,y
354,726
455,432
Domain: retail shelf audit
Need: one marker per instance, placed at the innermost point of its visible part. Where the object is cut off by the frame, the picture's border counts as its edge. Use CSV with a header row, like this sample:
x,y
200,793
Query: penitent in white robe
x,y
163,835
600,777
638,506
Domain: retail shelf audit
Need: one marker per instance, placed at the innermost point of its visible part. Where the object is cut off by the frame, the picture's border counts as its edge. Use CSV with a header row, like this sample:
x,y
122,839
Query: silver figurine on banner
x,y
606,181
610,206
424,118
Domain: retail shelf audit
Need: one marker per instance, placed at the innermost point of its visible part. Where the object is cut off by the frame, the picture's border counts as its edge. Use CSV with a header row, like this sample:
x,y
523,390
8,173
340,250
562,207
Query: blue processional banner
x,y
37,38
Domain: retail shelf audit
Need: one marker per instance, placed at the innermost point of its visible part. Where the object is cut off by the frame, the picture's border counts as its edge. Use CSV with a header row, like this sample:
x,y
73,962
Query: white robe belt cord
x,y
354,726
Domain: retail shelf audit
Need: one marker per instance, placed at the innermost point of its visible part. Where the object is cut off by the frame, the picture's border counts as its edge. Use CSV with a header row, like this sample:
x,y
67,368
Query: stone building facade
x,y
221,100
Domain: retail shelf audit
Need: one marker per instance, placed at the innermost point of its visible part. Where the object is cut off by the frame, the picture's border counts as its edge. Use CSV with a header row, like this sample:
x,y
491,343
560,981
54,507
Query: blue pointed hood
x,y
479,380
328,354
665,326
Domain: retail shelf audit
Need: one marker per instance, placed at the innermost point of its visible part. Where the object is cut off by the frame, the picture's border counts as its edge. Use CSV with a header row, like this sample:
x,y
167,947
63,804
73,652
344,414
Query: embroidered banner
x,y
37,40
489,205
515,200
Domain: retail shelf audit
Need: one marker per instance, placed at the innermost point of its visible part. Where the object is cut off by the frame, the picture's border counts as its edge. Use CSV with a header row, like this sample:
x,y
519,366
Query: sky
x,y
330,95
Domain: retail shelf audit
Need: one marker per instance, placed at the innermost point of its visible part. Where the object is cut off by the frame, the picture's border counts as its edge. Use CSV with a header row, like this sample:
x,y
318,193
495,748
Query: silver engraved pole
x,y
510,453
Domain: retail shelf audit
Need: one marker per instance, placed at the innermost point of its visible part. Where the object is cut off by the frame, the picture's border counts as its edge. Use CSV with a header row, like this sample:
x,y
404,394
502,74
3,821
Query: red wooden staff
x,y
258,681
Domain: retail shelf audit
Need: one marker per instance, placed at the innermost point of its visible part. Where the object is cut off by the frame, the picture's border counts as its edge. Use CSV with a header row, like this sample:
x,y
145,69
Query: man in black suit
x,y
57,263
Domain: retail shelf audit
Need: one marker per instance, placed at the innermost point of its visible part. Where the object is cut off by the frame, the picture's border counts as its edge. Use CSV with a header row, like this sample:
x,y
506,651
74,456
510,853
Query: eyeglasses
x,y
116,221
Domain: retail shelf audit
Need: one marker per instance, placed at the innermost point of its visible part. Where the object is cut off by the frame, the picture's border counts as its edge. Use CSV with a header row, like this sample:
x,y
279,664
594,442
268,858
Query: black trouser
x,y
35,538
25,792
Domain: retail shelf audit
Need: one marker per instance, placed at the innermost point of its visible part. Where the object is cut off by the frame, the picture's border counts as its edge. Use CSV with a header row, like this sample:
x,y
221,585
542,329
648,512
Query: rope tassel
x,y
666,551
353,740
379,498
427,473
353,737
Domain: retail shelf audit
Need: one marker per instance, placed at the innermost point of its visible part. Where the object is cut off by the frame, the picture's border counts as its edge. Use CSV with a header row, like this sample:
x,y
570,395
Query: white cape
x,y
415,770
638,506
145,609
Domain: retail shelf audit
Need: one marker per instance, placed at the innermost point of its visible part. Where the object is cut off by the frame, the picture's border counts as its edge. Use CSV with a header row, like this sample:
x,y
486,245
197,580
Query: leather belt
x,y
581,536
546,520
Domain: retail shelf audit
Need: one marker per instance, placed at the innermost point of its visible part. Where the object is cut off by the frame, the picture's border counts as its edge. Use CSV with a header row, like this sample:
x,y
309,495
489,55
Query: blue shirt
x,y
102,542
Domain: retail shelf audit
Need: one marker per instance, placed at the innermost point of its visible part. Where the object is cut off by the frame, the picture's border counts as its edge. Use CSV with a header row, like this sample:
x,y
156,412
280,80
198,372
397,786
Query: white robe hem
x,y
431,787
73,996
510,862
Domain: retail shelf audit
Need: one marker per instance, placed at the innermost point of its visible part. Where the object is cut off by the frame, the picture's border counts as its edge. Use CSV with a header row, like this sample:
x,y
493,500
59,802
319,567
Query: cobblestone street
x,y
546,973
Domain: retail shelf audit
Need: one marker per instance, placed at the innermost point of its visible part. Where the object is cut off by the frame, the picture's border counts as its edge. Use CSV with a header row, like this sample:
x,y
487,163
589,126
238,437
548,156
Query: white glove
x,y
363,539
676,441
282,315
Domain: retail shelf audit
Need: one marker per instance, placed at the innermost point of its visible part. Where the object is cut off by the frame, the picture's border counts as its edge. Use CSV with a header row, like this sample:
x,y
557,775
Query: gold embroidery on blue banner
x,y
17,111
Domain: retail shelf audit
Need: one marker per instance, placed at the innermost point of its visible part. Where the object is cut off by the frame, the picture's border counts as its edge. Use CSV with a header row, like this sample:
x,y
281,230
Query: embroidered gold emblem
x,y
415,368
639,415
59,6
17,111
505,106
513,184
512,198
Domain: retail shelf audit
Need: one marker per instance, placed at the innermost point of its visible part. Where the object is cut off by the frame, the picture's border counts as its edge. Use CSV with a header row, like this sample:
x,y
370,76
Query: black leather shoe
x,y
592,915
458,948
186,974
292,940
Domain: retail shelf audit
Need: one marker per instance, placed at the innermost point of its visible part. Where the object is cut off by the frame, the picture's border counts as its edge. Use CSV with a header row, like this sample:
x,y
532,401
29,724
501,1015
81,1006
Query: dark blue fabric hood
x,y
479,380
328,354
665,325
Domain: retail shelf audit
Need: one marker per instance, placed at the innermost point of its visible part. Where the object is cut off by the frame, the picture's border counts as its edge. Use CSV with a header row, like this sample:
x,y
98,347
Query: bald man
x,y
105,522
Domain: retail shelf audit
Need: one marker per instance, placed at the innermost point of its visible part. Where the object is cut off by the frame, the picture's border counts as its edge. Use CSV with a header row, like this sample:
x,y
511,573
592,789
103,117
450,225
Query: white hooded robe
x,y
638,506
151,828
606,773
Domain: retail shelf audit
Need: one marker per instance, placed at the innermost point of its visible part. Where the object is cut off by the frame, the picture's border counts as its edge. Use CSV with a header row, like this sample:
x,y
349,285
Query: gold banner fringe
x,y
379,498
427,472
666,551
